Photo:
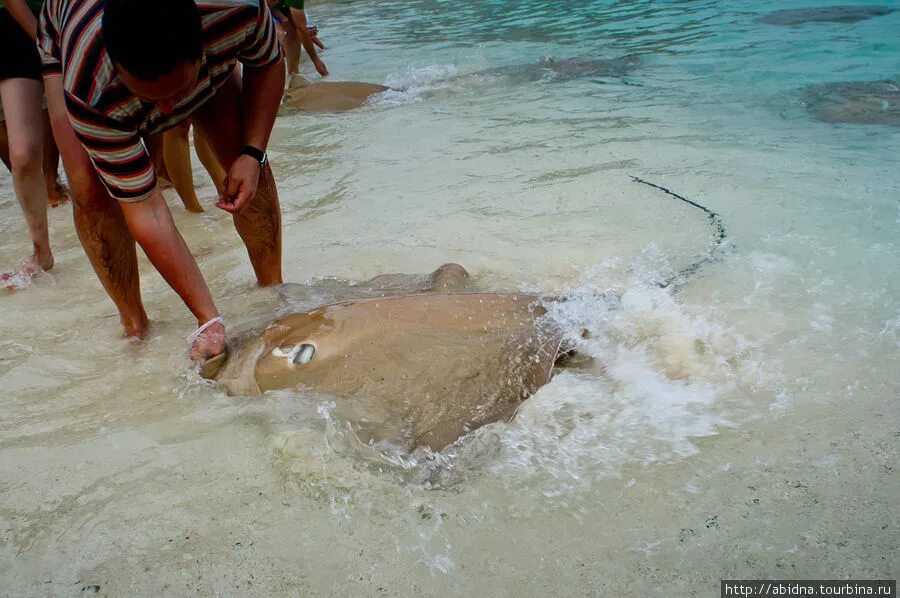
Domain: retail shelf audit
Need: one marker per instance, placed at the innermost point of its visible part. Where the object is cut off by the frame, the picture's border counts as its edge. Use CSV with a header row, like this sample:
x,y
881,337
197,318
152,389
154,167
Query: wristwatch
x,y
256,153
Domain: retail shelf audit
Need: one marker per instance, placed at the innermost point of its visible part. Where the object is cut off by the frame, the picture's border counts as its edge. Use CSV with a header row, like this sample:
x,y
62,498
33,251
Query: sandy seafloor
x,y
745,425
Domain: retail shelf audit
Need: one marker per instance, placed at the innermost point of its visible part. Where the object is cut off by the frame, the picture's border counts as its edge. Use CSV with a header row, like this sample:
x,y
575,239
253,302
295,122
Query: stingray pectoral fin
x,y
449,277
210,368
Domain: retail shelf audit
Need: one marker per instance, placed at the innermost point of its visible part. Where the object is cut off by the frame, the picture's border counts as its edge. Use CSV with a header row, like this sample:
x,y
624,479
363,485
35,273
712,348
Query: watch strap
x,y
255,153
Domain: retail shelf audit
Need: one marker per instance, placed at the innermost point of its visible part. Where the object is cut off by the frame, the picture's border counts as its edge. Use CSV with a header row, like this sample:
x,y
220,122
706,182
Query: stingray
x,y
550,69
340,96
859,102
327,96
824,14
414,361
422,365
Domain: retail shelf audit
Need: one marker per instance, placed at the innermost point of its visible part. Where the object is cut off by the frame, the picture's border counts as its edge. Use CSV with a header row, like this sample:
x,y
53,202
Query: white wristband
x,y
196,334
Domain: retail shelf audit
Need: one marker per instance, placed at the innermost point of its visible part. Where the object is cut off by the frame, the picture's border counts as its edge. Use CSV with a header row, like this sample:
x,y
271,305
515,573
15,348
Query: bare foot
x,y
210,343
136,327
57,194
14,281
21,277
193,206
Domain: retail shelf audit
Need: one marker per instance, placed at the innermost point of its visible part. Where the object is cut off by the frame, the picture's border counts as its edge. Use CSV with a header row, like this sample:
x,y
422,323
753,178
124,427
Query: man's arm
x,y
121,160
150,223
263,90
20,11
263,78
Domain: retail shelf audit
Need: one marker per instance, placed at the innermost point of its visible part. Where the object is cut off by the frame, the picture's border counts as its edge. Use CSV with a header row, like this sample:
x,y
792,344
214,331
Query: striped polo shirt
x,y
107,117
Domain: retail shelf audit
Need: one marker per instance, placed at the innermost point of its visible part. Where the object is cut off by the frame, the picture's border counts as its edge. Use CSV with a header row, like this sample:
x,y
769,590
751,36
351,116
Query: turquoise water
x,y
743,424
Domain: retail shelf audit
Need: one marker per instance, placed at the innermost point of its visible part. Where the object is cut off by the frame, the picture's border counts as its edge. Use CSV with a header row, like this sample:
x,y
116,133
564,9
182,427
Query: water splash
x,y
655,378
411,84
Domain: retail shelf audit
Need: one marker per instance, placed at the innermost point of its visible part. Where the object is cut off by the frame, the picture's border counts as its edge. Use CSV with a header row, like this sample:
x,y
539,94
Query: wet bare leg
x,y
210,162
154,145
57,192
291,49
290,45
21,100
98,219
259,224
177,154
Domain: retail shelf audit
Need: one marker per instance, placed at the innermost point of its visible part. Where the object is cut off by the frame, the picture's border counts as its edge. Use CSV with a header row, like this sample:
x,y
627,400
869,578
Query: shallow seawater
x,y
742,424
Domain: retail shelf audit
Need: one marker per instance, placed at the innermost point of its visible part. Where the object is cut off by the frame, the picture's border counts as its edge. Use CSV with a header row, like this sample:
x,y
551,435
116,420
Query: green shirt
x,y
285,4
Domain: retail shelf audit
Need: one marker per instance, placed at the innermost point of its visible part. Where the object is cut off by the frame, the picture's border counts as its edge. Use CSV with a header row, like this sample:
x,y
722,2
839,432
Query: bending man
x,y
115,70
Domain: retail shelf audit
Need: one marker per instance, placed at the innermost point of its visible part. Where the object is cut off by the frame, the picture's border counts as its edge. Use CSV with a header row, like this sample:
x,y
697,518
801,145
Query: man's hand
x,y
320,66
240,184
209,343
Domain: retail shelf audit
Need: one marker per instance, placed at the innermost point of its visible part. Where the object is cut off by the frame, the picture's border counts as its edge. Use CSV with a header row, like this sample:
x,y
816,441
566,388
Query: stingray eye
x,y
304,354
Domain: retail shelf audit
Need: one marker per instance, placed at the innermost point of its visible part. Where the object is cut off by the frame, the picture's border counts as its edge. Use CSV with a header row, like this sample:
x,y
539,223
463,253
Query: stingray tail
x,y
720,233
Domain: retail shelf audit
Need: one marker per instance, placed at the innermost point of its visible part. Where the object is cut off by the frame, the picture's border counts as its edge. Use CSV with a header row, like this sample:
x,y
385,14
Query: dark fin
x,y
572,359
297,82
449,278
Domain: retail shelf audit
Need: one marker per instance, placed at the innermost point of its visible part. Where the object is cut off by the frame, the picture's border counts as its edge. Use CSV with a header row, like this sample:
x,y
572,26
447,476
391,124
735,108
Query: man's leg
x,y
259,224
177,156
21,100
98,219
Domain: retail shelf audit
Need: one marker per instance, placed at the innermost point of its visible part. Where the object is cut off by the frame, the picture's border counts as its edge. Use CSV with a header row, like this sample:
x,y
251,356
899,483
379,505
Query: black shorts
x,y
18,52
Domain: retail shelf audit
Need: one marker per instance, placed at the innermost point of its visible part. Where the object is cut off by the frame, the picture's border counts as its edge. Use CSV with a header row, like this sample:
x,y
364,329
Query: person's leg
x,y
298,17
154,145
98,219
57,193
290,45
177,155
210,162
259,224
21,100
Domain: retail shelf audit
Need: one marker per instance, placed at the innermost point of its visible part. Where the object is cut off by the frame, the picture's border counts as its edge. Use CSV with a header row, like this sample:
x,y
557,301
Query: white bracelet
x,y
196,334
